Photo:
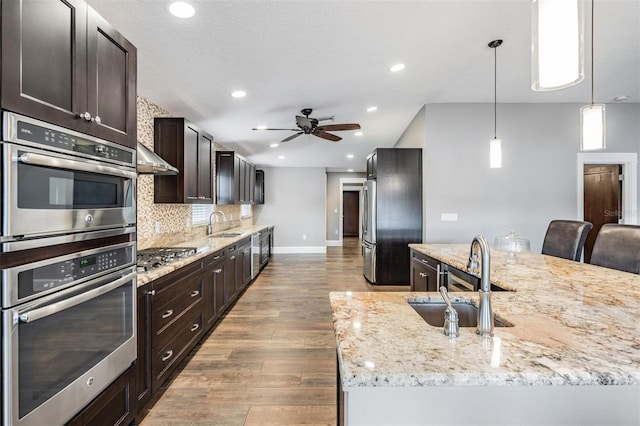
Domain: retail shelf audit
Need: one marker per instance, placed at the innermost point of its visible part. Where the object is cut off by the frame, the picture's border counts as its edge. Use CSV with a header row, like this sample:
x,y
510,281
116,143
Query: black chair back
x,y
565,238
617,247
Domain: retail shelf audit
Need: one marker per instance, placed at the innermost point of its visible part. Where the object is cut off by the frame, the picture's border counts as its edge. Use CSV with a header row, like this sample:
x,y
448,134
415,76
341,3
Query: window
x,y
200,214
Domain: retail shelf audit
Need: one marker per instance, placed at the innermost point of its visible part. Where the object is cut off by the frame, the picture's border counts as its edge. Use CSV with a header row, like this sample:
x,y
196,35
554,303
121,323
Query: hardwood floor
x,y
271,360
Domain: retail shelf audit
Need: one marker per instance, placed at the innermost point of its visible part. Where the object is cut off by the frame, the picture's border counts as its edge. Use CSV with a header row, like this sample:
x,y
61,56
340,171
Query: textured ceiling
x,y
334,56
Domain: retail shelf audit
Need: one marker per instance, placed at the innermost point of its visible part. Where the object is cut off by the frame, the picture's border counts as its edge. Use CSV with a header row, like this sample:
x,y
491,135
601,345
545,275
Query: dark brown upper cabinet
x,y
259,187
64,64
235,179
188,148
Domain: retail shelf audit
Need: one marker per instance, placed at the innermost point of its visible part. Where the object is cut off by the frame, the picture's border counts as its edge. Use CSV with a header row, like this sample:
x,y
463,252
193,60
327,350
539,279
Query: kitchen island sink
x,y
433,313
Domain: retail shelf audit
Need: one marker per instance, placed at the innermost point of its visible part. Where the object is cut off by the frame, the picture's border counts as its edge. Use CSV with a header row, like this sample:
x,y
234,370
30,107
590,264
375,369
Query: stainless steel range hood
x,y
150,163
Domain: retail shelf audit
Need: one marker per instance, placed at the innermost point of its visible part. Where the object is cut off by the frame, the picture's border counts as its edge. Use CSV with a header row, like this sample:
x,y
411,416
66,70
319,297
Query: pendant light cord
x,y
592,67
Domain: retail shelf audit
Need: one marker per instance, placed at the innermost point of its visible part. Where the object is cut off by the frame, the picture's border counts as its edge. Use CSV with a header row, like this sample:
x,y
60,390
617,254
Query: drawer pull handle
x,y
423,275
423,261
217,271
152,293
216,257
195,293
168,313
194,327
232,257
167,355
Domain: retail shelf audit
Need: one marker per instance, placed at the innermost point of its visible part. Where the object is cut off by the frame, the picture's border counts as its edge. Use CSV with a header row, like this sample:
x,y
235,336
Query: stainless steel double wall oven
x,y
68,269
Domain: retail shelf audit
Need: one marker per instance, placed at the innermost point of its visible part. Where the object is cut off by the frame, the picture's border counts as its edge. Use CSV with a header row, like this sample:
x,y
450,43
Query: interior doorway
x,y
602,199
350,185
350,213
627,166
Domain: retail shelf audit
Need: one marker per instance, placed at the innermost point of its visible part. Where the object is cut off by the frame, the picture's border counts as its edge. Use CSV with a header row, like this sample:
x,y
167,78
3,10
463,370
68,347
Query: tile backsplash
x,y
159,221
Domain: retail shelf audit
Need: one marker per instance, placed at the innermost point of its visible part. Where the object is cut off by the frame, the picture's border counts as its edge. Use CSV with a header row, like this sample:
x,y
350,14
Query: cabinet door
x,y
246,265
143,360
111,82
237,175
372,165
205,178
44,50
215,290
225,179
230,276
190,169
424,272
259,187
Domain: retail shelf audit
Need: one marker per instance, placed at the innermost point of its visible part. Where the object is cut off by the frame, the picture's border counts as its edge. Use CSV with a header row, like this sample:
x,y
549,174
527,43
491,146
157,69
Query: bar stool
x,y
617,247
565,238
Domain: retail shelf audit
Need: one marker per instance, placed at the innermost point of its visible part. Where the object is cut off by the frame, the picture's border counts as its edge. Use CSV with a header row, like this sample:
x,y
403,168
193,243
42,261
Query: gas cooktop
x,y
153,258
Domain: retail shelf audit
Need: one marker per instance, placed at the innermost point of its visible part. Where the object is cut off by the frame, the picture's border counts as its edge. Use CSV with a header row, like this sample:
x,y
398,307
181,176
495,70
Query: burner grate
x,y
157,257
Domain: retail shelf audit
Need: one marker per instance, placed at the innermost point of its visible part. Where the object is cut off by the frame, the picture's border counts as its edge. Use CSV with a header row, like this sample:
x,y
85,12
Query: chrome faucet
x,y
210,226
485,316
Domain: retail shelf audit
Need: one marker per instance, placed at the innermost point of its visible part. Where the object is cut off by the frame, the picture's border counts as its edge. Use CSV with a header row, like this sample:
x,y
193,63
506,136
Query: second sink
x,y
433,314
227,235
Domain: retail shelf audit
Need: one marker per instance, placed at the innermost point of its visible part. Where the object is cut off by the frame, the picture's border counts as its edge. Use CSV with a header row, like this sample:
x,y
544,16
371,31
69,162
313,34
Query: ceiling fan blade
x,y
291,130
303,122
335,127
291,137
328,136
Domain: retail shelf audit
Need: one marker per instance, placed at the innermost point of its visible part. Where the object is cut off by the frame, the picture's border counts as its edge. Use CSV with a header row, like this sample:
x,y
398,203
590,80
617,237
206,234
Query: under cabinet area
x,y
64,64
188,148
235,179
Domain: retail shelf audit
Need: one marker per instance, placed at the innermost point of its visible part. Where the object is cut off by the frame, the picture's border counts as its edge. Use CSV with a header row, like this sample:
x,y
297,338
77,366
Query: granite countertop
x,y
574,324
204,246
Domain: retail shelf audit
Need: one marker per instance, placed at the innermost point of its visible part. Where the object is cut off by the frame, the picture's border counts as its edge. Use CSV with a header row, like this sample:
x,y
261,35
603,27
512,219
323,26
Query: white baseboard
x,y
334,243
285,250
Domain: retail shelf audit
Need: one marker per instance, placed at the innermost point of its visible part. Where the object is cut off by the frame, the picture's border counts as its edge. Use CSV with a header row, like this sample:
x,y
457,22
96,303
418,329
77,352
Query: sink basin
x,y
433,314
227,235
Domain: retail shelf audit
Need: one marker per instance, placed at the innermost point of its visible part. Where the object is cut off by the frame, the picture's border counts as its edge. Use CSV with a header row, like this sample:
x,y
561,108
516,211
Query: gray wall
x,y
414,136
295,199
537,182
333,201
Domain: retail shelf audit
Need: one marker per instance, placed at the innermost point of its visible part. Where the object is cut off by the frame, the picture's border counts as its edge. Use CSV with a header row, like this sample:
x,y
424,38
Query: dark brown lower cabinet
x,y
143,361
424,272
116,405
215,271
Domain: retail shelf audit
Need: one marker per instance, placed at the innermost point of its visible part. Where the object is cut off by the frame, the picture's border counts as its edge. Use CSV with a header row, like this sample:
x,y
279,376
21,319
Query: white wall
x,y
295,200
537,182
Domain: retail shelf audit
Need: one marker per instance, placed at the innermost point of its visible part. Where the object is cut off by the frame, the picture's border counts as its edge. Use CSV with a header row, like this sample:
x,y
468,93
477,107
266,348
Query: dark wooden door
x,y
44,50
602,199
111,82
350,213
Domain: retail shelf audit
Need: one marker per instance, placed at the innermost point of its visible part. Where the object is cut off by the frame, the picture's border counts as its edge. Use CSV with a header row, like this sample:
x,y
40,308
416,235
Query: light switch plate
x,y
449,217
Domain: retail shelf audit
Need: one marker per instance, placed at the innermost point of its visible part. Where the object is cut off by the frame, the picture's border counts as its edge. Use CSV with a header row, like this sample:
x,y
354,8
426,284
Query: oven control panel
x,y
53,275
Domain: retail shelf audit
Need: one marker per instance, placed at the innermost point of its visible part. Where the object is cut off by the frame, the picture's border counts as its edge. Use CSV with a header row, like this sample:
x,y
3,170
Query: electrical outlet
x,y
336,232
335,211
157,227
304,236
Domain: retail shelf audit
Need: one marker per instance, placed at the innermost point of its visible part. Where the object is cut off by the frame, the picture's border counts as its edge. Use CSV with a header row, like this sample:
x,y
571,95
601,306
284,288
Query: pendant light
x,y
592,116
557,44
495,145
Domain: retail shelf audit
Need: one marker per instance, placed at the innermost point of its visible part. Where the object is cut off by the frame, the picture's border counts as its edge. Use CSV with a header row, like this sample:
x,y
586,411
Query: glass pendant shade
x,y
557,44
495,153
592,127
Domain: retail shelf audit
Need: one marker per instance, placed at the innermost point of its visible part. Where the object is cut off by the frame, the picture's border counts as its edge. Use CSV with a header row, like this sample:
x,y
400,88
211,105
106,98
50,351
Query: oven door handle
x,y
45,311
63,163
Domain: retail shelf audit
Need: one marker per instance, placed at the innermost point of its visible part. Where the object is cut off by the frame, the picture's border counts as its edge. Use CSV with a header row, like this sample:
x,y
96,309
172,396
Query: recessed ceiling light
x,y
181,9
349,155
274,145
396,68
281,157
261,127
239,94
621,98
358,133
349,170
372,108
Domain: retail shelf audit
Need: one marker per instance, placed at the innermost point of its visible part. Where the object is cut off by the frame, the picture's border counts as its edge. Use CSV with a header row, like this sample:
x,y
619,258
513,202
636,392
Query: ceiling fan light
x,y
495,153
239,94
274,145
358,134
557,46
592,127
372,109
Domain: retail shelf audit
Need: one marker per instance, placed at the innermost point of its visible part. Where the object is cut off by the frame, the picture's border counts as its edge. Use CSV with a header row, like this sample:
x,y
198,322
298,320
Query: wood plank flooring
x,y
271,360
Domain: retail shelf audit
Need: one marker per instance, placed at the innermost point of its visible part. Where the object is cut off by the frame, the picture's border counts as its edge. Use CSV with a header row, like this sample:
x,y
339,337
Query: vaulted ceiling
x,y
334,57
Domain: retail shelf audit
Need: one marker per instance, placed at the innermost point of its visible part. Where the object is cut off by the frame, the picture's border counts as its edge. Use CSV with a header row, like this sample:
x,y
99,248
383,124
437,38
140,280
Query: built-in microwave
x,y
57,182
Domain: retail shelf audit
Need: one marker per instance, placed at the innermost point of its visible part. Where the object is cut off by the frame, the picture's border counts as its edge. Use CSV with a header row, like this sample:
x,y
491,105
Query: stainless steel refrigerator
x,y
392,214
369,230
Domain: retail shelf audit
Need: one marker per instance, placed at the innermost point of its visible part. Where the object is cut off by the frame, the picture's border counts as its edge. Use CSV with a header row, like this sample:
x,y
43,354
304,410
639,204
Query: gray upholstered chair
x,y
617,247
565,238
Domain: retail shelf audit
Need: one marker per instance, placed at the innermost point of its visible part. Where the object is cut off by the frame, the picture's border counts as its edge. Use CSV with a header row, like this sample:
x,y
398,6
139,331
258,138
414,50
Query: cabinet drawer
x,y
180,339
170,305
214,258
424,259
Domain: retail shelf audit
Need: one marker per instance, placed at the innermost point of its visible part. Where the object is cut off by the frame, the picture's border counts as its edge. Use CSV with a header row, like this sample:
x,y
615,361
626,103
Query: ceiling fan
x,y
310,126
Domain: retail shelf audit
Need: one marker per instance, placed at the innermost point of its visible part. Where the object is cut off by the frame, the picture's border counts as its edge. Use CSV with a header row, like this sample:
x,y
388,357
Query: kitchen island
x,y
571,357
